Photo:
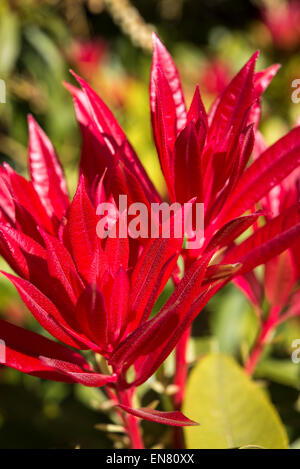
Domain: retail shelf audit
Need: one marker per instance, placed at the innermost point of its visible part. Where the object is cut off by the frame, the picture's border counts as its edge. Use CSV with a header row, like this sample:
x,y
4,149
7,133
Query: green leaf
x,y
46,48
232,410
280,371
9,42
233,322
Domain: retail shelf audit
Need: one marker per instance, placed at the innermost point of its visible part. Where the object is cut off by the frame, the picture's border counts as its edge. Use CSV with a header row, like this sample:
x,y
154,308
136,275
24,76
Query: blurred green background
x,y
108,42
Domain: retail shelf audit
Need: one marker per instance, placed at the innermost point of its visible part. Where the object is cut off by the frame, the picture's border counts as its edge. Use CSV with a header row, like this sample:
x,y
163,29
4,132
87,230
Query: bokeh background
x,y
108,42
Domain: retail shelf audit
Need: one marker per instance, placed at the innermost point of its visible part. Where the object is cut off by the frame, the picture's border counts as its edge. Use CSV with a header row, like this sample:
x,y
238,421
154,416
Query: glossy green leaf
x,y
232,410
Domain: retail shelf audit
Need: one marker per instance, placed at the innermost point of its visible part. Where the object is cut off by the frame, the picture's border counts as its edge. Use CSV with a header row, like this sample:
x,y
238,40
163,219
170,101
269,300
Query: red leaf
x,y
174,418
130,180
152,341
26,223
117,253
273,238
163,150
7,208
92,316
46,172
168,111
99,265
81,104
167,335
24,194
233,104
44,311
232,230
150,275
197,110
294,308
82,234
280,279
25,351
165,99
246,145
251,287
263,78
187,164
220,272
119,304
163,61
268,170
113,136
20,251
62,267
90,379
224,170
29,260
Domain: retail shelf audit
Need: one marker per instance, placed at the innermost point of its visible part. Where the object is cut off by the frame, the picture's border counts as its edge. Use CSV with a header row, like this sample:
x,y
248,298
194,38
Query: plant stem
x,y
181,368
181,371
254,358
263,339
131,423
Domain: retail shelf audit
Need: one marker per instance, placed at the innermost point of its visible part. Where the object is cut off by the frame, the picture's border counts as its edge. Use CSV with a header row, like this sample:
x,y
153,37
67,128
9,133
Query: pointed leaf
x,y
152,342
82,230
197,110
117,253
92,316
20,251
263,78
87,378
25,351
250,285
7,208
273,238
46,172
280,279
24,194
156,263
44,311
232,230
161,142
174,418
114,136
187,164
267,171
233,104
119,304
62,267
163,61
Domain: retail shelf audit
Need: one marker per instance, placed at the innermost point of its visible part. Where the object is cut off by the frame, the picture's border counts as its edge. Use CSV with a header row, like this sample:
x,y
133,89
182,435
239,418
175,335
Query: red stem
x,y
113,397
263,339
181,368
181,371
131,423
254,357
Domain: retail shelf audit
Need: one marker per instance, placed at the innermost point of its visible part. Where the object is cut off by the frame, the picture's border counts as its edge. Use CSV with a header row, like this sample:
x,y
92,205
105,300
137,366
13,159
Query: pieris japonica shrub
x,y
95,295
